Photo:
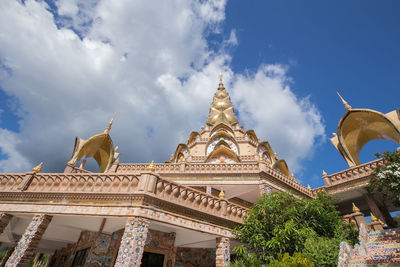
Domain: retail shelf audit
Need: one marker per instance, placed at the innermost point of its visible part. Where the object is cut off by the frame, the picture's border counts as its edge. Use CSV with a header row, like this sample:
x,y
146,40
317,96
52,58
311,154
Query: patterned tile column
x,y
132,244
4,220
223,252
29,241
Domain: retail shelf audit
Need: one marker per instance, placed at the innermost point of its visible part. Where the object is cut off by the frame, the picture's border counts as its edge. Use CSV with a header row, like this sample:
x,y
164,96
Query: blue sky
x,y
66,67
348,46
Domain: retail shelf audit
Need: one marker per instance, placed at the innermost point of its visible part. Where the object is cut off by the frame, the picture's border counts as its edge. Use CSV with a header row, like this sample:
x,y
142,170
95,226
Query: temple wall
x,y
195,257
104,248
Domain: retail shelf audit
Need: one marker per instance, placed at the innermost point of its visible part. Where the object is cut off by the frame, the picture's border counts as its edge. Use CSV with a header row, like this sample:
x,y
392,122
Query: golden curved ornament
x,y
360,126
252,135
192,137
282,166
178,152
268,151
100,147
222,148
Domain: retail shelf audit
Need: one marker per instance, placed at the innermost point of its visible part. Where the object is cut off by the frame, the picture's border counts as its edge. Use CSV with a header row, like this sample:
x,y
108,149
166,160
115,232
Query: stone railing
x,y
360,171
83,183
99,186
217,168
191,168
11,181
287,180
197,200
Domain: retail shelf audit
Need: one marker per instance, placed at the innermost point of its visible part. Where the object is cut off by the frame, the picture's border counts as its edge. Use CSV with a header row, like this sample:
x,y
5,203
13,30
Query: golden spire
x,y
151,167
221,194
38,168
108,128
346,105
324,173
373,218
308,187
355,208
221,109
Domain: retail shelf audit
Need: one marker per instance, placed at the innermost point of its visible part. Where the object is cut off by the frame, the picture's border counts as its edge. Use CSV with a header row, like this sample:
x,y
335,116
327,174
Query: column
x,y
386,215
29,241
4,220
223,253
373,206
132,244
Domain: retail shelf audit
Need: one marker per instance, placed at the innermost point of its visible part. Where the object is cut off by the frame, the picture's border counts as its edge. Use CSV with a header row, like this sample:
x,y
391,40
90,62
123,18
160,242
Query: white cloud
x,y
148,62
266,104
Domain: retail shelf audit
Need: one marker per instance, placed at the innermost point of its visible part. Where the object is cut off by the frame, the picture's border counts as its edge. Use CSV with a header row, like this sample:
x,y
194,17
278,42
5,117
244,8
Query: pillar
x,y
359,218
223,253
391,223
373,206
132,244
4,220
29,241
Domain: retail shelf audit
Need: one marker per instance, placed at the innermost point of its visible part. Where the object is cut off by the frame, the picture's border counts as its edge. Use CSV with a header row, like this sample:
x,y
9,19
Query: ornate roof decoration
x,y
346,105
38,168
151,167
359,126
281,166
355,208
221,109
100,147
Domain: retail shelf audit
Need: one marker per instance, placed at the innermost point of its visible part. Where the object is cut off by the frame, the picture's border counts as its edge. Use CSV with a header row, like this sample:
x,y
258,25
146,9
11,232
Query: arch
x,y
192,137
100,147
222,148
281,166
252,135
265,148
360,126
222,125
180,149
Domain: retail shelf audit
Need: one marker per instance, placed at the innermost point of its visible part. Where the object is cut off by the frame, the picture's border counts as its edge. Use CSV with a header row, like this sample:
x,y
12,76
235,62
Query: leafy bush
x,y
386,179
297,260
282,223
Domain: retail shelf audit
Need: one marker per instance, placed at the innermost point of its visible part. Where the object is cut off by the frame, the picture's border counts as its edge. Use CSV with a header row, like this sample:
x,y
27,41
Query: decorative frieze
x,y
132,244
29,241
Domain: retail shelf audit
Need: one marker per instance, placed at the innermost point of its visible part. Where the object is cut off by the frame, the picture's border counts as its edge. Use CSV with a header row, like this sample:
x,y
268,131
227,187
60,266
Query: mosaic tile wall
x,y
195,257
378,247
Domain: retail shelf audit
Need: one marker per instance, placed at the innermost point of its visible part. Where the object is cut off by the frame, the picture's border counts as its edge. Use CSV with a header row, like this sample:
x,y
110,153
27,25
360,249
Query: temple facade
x,y
181,212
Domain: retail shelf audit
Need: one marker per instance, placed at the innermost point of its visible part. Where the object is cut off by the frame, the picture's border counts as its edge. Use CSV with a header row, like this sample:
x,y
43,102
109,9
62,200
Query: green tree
x,y
386,178
281,223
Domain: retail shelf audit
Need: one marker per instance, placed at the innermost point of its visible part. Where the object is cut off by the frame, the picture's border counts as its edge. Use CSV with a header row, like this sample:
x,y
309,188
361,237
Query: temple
x,y
181,212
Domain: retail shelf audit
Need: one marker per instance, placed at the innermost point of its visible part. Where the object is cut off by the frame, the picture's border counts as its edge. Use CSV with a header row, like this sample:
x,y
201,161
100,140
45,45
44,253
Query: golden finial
x,y
355,208
38,168
382,223
151,167
324,173
373,218
308,187
220,76
346,105
108,128
221,194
